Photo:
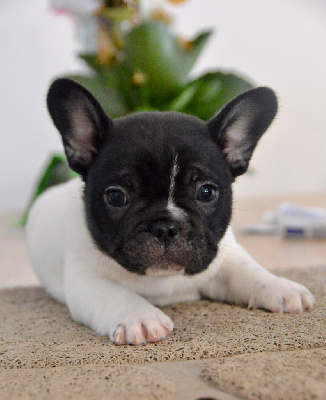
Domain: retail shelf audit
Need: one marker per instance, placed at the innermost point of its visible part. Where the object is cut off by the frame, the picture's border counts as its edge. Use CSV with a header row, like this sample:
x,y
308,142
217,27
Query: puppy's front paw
x,y
281,295
146,326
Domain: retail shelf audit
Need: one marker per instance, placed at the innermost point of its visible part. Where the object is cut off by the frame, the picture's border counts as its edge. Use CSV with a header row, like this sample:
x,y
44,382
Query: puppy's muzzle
x,y
164,246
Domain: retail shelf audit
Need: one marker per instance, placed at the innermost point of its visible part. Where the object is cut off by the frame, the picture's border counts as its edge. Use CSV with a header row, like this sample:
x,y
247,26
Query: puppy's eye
x,y
116,196
207,193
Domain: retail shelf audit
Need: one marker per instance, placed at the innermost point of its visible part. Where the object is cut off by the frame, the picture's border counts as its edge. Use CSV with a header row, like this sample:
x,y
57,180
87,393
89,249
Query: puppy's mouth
x,y
165,269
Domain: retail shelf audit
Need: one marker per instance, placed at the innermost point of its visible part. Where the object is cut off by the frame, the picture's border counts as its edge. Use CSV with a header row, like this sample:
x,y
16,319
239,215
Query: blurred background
x,y
280,44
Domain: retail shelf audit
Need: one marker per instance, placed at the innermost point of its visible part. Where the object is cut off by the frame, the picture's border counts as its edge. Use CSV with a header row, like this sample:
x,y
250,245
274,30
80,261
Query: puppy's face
x,y
158,185
158,196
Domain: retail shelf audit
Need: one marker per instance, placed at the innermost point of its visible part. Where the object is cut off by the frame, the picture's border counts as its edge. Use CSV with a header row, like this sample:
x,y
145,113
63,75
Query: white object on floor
x,y
291,221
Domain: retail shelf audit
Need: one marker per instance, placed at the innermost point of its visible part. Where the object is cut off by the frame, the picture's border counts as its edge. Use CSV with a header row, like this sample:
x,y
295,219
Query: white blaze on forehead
x,y
175,211
174,171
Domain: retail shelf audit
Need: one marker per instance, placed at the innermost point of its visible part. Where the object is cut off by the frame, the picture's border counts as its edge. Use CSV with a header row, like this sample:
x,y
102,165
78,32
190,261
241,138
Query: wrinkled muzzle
x,y
165,247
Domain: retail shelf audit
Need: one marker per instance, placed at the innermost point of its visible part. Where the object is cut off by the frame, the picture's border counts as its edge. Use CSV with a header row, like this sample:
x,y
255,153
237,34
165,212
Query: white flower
x,y
77,7
147,6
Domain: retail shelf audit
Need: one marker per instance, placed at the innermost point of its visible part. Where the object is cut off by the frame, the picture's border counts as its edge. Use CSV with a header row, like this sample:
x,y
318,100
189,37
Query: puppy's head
x,y
158,191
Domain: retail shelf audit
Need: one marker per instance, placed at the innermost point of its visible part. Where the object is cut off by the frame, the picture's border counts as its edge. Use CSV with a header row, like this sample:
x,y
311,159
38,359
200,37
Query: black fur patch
x,y
139,156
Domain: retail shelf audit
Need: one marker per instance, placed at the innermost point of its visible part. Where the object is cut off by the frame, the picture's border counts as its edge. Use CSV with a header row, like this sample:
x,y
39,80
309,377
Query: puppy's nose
x,y
164,231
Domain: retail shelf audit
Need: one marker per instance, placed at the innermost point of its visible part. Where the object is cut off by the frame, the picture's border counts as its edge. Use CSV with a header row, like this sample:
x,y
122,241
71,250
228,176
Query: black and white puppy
x,y
149,222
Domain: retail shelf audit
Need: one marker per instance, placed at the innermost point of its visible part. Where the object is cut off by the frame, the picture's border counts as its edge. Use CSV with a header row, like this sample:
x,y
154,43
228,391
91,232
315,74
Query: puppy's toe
x,y
158,330
130,334
297,297
292,303
307,299
136,334
119,336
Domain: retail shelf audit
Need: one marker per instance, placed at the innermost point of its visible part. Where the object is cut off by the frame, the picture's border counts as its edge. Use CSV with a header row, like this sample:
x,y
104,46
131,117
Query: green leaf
x,y
117,14
152,49
105,90
184,98
197,47
90,60
56,171
204,96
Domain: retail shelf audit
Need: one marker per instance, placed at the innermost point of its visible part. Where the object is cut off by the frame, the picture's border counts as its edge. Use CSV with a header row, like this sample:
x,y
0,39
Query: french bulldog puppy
x,y
148,223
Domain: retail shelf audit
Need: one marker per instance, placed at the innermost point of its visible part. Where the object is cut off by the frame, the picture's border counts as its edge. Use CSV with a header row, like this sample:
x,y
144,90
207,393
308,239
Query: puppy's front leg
x,y
111,309
241,280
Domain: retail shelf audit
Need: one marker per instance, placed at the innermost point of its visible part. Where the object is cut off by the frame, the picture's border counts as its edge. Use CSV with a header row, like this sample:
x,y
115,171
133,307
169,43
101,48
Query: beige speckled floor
x,y
183,379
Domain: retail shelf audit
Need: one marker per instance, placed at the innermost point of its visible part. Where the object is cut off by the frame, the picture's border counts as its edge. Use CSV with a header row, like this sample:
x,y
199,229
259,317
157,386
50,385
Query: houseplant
x,y
135,62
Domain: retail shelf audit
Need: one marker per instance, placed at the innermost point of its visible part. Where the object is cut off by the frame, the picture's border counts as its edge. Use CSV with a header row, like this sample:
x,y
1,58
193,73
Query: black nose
x,y
164,231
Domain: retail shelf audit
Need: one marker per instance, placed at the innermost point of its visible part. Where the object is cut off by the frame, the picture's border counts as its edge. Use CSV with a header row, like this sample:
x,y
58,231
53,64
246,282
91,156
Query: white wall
x,y
282,44
35,46
278,43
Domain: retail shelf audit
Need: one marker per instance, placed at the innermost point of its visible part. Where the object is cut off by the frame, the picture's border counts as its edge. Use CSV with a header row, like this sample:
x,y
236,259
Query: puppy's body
x,y
149,223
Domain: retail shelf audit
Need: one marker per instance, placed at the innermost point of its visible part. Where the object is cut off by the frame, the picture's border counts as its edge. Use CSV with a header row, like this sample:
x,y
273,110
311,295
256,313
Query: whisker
x,y
231,247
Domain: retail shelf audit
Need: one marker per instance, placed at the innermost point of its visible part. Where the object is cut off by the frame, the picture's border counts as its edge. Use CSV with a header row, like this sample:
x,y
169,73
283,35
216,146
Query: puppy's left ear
x,y
81,121
240,124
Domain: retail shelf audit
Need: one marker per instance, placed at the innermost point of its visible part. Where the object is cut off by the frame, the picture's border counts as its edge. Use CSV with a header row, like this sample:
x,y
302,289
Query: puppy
x,y
148,223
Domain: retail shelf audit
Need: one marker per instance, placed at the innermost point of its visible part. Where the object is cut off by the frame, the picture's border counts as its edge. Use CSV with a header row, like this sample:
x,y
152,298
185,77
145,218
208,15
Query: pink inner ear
x,y
83,127
235,140
83,136
81,148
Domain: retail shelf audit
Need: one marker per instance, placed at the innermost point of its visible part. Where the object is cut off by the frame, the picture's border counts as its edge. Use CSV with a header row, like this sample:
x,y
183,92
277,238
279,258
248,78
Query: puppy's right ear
x,y
81,121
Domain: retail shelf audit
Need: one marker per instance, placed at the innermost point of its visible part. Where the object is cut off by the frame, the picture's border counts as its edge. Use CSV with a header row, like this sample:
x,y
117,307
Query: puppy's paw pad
x,y
138,330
